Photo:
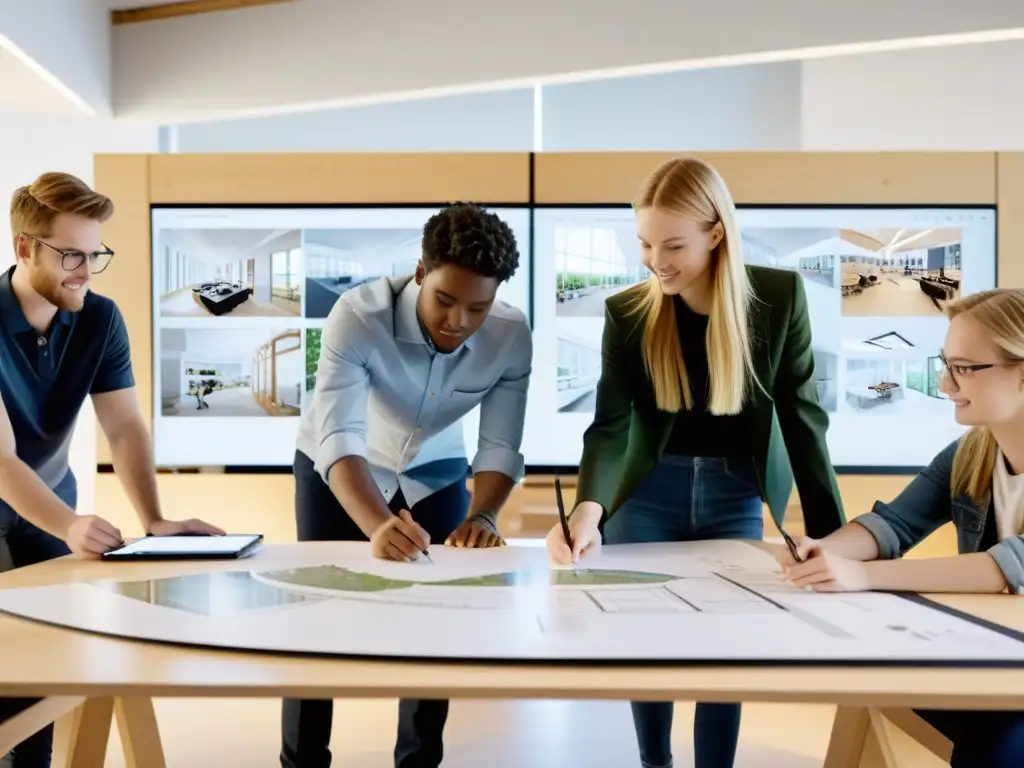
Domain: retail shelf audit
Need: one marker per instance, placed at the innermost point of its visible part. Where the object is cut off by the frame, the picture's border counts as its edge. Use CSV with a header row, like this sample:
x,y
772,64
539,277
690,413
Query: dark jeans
x,y
980,739
27,545
306,723
689,499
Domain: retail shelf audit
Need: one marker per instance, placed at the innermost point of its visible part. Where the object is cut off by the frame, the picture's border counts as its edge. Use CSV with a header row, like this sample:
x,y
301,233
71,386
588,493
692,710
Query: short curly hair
x,y
469,236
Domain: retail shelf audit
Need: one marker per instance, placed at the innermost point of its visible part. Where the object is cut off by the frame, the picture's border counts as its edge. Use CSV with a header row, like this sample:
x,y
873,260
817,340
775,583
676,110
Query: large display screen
x,y
876,281
240,296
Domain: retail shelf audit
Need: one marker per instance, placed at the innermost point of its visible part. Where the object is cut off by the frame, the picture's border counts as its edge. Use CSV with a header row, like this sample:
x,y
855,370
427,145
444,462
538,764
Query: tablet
x,y
188,547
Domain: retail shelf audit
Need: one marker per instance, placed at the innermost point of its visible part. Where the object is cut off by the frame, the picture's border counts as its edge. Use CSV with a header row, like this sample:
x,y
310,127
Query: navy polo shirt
x,y
45,377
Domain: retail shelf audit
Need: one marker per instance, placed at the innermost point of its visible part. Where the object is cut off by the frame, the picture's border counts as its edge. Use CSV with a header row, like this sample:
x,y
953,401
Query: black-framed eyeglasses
x,y
72,260
963,370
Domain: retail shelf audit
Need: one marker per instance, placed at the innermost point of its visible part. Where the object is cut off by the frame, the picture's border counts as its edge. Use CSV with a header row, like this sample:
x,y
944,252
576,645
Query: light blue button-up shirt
x,y
382,392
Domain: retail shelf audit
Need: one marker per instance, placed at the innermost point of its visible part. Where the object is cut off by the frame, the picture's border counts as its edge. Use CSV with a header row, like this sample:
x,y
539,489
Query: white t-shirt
x,y
1008,492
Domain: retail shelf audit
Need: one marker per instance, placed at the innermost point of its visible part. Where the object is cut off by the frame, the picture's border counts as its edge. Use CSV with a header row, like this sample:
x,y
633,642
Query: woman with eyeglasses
x,y
977,483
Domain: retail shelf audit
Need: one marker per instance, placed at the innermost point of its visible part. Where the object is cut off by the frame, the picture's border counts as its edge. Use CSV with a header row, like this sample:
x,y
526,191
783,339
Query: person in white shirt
x,y
380,453
977,483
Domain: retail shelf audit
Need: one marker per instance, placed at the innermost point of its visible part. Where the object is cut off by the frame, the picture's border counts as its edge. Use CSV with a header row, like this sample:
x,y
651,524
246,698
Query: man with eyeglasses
x,y
60,343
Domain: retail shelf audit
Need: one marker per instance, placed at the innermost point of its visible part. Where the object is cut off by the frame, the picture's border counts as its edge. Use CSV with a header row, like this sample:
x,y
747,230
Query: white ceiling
x,y
220,245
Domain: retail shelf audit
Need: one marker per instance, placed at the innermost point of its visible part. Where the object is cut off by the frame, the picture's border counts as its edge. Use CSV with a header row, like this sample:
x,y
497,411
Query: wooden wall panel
x,y
125,179
1011,220
782,177
341,178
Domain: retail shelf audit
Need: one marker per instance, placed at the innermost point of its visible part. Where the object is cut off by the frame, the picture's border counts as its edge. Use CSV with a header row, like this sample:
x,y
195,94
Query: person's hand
x,y
477,531
179,527
828,572
399,538
583,532
806,547
91,536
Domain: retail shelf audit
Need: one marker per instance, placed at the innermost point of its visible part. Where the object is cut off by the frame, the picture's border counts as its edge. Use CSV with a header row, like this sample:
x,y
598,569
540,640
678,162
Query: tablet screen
x,y
186,545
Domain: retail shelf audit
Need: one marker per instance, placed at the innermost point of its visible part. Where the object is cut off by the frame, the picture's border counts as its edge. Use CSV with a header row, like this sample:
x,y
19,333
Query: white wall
x,y
30,145
732,108
968,97
751,107
499,121
965,97
263,277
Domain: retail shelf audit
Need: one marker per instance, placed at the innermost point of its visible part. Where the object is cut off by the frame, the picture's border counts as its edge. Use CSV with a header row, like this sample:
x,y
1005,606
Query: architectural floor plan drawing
x,y
706,602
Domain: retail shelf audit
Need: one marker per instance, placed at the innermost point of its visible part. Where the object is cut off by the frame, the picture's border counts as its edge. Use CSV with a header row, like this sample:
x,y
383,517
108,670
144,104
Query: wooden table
x,y
93,679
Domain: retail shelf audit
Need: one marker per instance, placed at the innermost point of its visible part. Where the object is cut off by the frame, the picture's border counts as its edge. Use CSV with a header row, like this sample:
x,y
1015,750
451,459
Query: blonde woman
x,y
707,389
977,483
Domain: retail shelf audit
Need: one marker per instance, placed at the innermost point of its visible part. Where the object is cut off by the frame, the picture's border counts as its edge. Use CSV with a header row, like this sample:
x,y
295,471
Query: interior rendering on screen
x,y
240,296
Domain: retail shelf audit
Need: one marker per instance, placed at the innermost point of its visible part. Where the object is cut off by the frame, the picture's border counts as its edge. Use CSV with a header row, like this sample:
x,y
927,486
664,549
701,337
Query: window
x,y
578,364
591,257
285,282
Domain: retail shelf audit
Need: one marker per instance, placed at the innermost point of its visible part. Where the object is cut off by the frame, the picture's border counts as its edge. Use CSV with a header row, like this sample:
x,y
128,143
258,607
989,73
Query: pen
x,y
562,518
427,555
792,546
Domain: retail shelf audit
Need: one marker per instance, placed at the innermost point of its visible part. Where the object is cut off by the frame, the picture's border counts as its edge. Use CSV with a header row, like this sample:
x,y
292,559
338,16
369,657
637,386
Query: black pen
x,y
562,518
792,546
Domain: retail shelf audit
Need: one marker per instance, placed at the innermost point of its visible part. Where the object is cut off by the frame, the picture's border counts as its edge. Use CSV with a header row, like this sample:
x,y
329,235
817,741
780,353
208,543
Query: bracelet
x,y
488,519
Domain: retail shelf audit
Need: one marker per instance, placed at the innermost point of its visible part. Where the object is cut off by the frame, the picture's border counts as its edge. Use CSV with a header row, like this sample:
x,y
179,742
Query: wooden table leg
x,y
89,734
849,735
878,750
869,737
140,735
920,731
34,718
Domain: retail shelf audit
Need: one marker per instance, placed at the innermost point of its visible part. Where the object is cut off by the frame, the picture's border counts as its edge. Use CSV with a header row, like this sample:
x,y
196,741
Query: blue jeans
x,y
29,545
688,499
306,723
980,739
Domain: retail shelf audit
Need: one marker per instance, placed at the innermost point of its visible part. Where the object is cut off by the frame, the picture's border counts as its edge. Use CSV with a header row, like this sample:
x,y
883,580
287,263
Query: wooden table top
x,y
52,660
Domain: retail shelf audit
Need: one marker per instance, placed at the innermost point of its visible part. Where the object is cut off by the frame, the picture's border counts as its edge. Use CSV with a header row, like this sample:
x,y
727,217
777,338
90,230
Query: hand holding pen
x,y
792,547
400,538
573,537
797,551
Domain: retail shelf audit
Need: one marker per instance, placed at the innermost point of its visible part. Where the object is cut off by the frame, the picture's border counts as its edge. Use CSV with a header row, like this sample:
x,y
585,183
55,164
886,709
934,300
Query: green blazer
x,y
629,432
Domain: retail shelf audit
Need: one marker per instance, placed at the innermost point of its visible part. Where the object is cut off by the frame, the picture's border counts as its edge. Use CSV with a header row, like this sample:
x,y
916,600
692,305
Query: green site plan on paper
x,y
333,577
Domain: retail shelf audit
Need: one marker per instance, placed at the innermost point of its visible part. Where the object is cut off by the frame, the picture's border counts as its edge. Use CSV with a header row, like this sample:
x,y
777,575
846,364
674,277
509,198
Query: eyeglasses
x,y
963,370
72,260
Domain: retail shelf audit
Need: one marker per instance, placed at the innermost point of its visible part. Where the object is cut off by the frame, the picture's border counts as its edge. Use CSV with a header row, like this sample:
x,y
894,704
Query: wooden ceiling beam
x,y
162,11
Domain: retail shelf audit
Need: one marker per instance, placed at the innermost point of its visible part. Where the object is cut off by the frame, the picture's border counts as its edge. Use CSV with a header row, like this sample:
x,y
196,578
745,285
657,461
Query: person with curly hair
x,y
380,453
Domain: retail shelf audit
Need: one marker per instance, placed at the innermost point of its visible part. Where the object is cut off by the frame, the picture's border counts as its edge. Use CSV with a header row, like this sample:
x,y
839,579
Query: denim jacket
x,y
925,505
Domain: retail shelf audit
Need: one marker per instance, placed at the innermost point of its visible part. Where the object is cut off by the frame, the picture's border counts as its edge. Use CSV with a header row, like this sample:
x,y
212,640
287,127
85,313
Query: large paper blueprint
x,y
710,602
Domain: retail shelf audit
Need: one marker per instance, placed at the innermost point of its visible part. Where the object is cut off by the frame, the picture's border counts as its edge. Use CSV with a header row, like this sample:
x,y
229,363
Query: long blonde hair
x,y
690,187
1001,313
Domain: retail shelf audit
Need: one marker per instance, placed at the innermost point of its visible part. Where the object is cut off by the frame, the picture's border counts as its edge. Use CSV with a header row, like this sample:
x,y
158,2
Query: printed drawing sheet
x,y
711,602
